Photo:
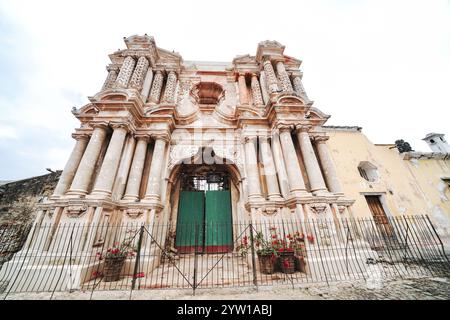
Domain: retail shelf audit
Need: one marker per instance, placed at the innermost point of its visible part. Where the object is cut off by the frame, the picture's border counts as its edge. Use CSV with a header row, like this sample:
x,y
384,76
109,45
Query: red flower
x,y
97,274
310,238
140,275
274,236
99,255
286,263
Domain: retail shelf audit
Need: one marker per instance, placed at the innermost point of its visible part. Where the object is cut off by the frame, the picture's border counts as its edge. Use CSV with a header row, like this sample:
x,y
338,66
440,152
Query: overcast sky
x,y
381,65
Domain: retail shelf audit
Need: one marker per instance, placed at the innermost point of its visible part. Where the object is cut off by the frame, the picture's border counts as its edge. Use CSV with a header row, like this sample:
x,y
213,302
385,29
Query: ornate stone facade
x,y
245,117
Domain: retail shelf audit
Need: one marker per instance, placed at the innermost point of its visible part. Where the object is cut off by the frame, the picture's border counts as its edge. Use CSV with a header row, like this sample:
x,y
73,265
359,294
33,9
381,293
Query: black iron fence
x,y
89,258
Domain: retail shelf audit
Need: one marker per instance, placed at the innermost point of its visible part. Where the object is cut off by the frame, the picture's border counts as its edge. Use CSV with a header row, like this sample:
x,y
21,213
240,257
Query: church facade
x,y
161,128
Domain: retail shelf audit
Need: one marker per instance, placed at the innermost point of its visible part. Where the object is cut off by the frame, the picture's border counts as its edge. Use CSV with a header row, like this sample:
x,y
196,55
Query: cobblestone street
x,y
411,289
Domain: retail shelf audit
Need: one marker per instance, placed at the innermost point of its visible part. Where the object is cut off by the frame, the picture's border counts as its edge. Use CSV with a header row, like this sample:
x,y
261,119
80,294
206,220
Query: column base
x,y
73,194
153,198
275,197
256,198
300,193
130,198
99,194
320,192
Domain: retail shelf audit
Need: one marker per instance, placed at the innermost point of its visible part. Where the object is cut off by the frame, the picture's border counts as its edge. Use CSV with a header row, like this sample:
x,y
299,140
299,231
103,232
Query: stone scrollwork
x,y
135,213
232,153
180,152
76,211
318,208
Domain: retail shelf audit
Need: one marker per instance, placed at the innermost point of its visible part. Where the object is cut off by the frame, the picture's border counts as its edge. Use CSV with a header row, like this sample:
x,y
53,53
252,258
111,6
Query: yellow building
x,y
381,179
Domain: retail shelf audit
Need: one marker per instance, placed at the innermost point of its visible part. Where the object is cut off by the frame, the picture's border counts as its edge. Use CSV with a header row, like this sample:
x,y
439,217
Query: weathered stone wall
x,y
18,207
18,200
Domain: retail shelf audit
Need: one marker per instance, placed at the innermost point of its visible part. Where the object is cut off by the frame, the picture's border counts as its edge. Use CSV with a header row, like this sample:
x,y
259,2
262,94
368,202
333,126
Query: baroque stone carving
x,y
169,93
110,79
284,77
298,87
318,208
135,213
125,72
256,91
76,211
232,153
155,92
180,152
272,82
139,73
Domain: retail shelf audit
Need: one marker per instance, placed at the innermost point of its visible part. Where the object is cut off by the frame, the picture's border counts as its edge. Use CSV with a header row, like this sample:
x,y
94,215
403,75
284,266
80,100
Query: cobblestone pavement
x,y
410,289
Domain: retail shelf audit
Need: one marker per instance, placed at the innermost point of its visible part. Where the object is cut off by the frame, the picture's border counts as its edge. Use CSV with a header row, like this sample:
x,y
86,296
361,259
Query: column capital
x,y
296,73
142,136
80,136
160,136
249,138
121,124
283,127
302,128
320,138
100,124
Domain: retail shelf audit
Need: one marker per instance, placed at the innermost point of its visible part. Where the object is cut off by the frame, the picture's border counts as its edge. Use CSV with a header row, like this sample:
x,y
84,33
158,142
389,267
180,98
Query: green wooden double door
x,y
204,222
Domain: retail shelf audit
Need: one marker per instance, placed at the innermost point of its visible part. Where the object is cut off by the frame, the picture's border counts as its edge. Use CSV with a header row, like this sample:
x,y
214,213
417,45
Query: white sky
x,y
381,65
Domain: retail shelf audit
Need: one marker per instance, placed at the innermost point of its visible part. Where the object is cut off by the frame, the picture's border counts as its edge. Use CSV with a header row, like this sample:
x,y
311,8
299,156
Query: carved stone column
x,y
125,72
296,183
72,164
269,169
111,78
86,168
135,177
124,168
105,179
155,93
153,192
284,77
312,165
271,78
328,167
279,164
256,91
263,81
298,86
251,166
171,84
147,85
139,73
243,93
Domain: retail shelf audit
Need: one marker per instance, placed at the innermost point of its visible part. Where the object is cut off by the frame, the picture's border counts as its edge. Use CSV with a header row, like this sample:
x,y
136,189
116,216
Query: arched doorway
x,y
204,217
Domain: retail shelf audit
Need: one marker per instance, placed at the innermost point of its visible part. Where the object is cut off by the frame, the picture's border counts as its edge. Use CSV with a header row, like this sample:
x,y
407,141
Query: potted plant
x,y
115,259
267,252
297,243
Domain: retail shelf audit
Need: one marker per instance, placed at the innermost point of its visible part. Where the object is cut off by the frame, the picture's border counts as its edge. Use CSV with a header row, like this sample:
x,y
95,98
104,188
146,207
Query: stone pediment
x,y
172,58
269,48
244,59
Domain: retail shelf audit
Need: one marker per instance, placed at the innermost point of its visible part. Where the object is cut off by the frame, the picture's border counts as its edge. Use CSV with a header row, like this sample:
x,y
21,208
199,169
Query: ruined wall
x,y
395,183
18,199
406,186
428,174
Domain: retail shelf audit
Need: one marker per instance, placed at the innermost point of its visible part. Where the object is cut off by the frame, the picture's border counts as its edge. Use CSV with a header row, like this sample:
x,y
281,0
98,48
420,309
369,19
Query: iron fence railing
x,y
72,256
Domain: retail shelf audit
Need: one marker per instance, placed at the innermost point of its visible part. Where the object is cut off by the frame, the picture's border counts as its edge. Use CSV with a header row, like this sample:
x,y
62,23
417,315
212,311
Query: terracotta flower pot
x,y
266,264
287,261
112,268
